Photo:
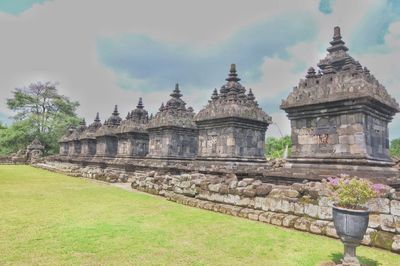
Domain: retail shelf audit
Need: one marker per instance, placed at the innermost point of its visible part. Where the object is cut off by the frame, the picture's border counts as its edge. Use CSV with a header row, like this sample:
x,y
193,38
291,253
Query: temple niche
x,y
340,114
172,132
232,126
88,138
74,147
133,139
106,138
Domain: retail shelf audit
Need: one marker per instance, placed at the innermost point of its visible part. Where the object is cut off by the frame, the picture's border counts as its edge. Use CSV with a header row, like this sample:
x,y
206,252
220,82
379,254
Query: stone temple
x,y
232,126
106,138
339,116
172,131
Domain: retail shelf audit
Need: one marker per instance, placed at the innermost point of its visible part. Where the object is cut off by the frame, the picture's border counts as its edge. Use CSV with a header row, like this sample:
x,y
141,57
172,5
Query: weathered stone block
x,y
318,227
374,220
311,210
330,230
289,220
298,208
279,193
382,239
367,237
277,218
254,215
303,224
387,222
263,190
379,205
395,207
325,213
396,243
265,217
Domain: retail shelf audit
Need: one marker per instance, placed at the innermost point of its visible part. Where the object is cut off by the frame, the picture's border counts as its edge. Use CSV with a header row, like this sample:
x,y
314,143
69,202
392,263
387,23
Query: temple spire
x,y
337,44
140,104
232,74
162,107
214,96
97,119
311,73
250,95
115,113
176,93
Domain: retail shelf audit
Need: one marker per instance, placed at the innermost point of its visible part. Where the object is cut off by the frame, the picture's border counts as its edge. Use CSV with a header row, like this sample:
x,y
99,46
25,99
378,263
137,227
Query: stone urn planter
x,y
350,226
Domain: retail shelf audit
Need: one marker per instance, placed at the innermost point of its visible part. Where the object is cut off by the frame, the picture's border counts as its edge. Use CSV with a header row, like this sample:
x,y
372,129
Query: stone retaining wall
x,y
302,206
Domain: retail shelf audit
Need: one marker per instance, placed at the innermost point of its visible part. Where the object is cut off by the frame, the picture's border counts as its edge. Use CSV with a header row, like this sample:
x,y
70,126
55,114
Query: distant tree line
x,y
40,111
395,147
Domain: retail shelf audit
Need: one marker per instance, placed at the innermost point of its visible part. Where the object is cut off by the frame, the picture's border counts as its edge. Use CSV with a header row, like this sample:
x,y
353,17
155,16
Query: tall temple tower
x,y
339,117
232,126
88,138
172,132
106,139
133,139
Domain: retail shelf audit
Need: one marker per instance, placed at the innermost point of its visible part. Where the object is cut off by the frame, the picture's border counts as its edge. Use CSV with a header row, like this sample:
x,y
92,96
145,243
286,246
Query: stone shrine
x,y
232,126
88,138
74,148
172,131
339,116
34,151
106,138
133,139
64,141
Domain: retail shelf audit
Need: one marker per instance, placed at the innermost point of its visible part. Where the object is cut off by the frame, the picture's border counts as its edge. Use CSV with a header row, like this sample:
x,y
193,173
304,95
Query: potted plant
x,y
350,217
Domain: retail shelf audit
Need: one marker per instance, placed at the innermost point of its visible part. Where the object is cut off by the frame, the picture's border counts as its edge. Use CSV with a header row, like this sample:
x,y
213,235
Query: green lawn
x,y
52,219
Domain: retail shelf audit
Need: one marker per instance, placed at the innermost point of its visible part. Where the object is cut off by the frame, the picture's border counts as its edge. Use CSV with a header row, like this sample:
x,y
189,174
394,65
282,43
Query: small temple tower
x,y
34,150
64,142
74,148
133,139
88,138
232,126
339,117
106,139
172,132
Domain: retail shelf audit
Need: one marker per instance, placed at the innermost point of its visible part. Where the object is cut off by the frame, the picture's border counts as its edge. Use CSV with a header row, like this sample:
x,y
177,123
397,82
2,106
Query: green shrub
x,y
352,193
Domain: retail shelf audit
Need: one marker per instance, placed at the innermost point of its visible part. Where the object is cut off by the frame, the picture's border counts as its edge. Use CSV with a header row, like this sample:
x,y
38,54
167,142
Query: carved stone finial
x,y
97,119
128,116
336,33
115,113
176,93
232,74
250,95
337,43
162,107
310,73
214,96
140,104
83,122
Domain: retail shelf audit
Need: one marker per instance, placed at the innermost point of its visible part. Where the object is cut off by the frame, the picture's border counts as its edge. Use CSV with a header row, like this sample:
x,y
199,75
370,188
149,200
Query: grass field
x,y
52,219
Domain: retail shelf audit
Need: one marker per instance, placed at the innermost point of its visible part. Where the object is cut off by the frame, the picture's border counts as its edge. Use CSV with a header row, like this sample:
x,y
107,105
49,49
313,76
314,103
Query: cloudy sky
x,y
114,51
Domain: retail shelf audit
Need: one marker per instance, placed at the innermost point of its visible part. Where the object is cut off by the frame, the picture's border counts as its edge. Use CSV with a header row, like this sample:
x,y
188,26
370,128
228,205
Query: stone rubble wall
x,y
301,206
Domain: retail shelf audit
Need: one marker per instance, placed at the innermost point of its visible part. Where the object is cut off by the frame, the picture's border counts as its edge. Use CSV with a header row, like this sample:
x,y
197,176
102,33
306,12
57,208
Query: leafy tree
x,y
40,111
275,147
395,147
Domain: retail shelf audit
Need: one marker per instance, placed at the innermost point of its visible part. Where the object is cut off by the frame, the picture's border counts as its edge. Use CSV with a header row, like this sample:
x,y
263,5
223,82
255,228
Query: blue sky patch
x,y
16,7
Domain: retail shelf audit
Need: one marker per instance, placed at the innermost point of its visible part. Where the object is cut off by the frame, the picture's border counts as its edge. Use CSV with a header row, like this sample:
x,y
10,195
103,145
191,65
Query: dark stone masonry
x,y
215,159
339,117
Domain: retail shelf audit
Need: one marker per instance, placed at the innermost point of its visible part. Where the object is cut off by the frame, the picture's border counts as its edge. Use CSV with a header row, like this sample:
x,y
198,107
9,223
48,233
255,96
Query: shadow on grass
x,y
336,257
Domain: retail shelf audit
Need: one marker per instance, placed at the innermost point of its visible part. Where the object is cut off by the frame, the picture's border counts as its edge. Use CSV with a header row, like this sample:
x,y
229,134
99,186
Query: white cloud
x,y
57,41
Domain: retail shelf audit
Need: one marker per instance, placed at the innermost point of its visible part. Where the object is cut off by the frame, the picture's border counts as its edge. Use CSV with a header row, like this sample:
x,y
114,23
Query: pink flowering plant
x,y
352,193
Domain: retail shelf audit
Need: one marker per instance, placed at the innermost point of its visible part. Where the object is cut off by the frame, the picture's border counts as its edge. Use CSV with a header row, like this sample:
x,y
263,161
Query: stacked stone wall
x,y
301,206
